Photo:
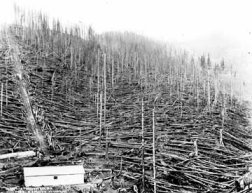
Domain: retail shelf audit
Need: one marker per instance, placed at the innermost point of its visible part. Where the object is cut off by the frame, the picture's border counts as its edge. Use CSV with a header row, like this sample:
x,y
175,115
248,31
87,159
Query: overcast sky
x,y
221,27
180,19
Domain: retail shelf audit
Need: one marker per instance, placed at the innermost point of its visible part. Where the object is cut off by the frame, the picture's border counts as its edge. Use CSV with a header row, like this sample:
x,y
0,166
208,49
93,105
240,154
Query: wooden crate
x,y
54,175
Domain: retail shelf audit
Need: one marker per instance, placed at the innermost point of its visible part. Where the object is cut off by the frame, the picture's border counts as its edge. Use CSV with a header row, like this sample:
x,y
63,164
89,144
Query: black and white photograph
x,y
126,96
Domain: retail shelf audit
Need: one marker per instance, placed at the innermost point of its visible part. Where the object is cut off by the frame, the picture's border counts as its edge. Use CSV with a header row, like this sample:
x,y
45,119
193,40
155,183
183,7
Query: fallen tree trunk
x,y
18,155
21,84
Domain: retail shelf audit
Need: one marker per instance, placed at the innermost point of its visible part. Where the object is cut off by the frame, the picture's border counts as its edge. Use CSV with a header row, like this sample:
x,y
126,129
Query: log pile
x,y
193,151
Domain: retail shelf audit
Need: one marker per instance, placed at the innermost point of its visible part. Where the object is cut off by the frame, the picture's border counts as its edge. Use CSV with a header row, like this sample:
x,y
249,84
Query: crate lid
x,y
53,170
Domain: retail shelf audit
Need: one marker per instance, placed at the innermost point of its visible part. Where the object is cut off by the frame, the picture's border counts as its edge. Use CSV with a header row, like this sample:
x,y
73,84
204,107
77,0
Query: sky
x,y
161,19
221,28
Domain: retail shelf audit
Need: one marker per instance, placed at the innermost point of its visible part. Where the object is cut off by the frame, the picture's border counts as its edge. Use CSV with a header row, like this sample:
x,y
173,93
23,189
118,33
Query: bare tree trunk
x,y
208,91
1,113
31,122
154,150
143,148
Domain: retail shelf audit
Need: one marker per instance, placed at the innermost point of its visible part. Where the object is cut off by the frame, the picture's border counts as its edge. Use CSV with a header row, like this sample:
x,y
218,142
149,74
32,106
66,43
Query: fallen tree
x,y
22,88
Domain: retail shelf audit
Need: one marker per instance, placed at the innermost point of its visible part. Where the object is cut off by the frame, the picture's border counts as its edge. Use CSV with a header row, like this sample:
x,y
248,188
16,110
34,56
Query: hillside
x,y
134,112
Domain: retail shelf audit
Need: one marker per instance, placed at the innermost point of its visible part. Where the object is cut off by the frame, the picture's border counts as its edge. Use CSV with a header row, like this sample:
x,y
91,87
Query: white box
x,y
54,175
